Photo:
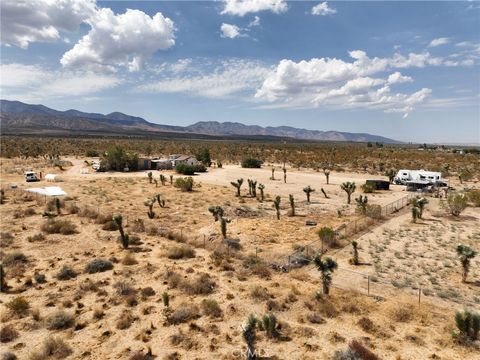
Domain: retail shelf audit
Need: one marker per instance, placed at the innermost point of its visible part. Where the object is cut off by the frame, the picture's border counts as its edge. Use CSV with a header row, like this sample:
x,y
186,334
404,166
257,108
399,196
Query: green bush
x,y
211,308
184,184
252,163
92,153
117,158
19,305
468,324
186,169
474,197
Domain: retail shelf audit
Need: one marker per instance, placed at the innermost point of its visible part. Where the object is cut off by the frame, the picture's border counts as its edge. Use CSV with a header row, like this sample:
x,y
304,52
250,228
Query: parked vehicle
x,y
31,176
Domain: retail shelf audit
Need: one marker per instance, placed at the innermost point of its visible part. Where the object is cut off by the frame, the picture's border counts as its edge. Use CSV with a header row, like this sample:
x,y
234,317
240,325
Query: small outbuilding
x,y
379,184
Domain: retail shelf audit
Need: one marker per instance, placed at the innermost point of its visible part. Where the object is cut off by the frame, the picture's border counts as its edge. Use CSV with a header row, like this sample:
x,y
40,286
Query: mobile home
x,y
404,176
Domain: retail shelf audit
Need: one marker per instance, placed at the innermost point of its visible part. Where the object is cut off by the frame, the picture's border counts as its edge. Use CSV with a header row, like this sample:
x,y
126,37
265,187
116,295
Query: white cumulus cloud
x,y
27,21
230,31
243,7
323,9
127,39
397,78
439,41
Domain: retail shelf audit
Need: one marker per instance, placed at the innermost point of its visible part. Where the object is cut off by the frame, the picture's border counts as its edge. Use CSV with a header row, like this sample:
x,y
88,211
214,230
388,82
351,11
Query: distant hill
x,y
20,118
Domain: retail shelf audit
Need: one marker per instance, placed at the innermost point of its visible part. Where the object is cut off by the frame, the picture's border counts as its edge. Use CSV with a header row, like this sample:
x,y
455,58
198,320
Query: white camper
x,y
404,176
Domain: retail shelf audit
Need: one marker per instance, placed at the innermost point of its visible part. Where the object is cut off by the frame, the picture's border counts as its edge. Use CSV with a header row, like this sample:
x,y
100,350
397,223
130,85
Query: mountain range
x,y
19,118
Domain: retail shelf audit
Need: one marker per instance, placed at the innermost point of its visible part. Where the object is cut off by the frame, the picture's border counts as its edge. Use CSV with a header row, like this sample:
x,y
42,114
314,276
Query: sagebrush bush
x,y
110,225
52,348
180,252
124,289
66,273
36,237
98,265
211,308
59,226
60,320
201,285
184,184
184,312
125,320
14,258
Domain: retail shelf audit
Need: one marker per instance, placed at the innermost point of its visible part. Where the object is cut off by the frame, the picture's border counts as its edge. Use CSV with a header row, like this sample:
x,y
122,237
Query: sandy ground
x,y
311,329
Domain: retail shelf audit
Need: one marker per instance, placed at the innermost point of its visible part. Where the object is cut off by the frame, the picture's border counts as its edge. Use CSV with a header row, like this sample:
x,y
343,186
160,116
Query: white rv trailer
x,y
403,176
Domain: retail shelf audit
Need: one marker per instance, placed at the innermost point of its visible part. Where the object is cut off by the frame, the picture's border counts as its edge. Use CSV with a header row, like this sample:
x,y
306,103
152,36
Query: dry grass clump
x,y
98,265
14,258
110,225
8,333
124,289
173,278
66,273
36,237
183,340
106,219
404,313
60,320
211,308
180,252
6,238
129,259
259,293
59,226
147,292
201,285
184,313
18,306
366,324
125,320
53,348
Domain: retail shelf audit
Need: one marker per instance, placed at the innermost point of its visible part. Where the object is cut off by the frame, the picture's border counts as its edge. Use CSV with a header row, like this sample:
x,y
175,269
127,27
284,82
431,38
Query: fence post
x,y
419,295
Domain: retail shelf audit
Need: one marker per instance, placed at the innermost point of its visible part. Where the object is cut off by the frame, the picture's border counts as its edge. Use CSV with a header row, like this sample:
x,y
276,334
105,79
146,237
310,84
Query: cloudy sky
x,y
405,70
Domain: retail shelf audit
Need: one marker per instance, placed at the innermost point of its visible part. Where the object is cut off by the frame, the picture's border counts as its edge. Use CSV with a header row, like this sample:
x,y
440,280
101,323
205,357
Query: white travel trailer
x,y
404,176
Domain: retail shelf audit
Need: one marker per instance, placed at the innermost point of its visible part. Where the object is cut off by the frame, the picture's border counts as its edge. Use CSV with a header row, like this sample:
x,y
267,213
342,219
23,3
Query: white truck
x,y
31,176
404,176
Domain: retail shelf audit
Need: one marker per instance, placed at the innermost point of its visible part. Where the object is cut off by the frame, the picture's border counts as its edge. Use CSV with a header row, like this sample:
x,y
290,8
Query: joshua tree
x,y
3,285
465,253
355,260
284,174
326,267
163,179
250,337
468,323
261,187
237,185
324,193
166,306
118,219
420,204
276,205
273,174
150,177
252,188
223,227
270,325
58,205
349,188
149,204
362,204
216,211
308,190
160,201
415,213
292,205
327,175
171,179
391,175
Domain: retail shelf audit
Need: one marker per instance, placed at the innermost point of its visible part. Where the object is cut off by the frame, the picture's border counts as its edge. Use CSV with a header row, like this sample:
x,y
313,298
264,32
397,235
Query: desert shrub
x,y
125,320
201,285
474,197
138,225
66,273
36,237
110,225
366,324
257,266
9,356
402,314
8,333
186,169
129,259
173,278
147,292
6,238
327,235
72,208
468,324
92,153
60,320
53,348
98,265
259,293
64,227
18,305
116,158
362,351
124,289
211,308
373,211
251,163
184,184
183,313
368,188
180,252
456,203
39,278
14,258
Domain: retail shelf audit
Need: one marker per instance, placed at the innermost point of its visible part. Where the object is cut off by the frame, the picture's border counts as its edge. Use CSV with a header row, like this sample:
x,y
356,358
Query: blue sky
x,y
406,70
